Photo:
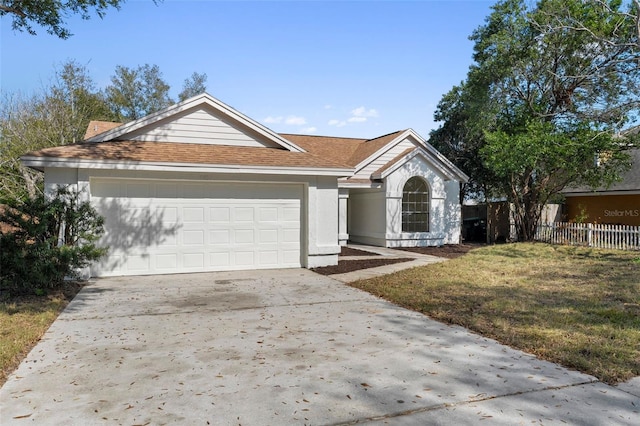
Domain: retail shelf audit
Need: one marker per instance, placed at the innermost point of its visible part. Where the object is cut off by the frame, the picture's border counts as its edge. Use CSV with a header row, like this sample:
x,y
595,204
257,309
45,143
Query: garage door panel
x,y
231,226
245,258
193,260
193,214
268,214
291,235
243,214
220,214
219,237
291,214
244,236
138,262
220,259
268,258
167,262
268,236
193,237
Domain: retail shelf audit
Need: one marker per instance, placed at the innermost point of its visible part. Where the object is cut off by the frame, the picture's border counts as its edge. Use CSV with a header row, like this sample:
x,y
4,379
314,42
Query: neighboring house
x,y
618,204
199,187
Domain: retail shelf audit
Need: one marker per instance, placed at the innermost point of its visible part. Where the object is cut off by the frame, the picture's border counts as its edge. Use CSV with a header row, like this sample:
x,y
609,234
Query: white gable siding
x,y
389,155
198,126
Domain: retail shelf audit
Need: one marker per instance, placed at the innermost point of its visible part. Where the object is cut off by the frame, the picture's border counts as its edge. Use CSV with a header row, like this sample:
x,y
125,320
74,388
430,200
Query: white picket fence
x,y
619,237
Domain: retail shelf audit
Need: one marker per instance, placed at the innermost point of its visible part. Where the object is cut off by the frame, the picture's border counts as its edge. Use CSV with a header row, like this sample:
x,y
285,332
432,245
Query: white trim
x,y
445,164
365,185
446,172
40,163
203,99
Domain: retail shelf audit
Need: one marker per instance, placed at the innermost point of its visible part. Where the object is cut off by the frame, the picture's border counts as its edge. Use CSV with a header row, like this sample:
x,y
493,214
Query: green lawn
x,y
575,306
24,320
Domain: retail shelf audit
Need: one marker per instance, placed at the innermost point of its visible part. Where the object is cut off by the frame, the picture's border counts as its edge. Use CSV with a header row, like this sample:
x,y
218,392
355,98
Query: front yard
x,y
24,320
578,307
574,306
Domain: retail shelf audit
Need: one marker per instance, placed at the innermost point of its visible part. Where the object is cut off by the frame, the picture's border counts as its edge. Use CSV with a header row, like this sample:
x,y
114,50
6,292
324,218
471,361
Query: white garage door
x,y
163,227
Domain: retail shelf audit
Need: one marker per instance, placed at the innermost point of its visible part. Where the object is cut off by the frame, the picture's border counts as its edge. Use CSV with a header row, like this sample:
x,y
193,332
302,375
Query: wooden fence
x,y
620,237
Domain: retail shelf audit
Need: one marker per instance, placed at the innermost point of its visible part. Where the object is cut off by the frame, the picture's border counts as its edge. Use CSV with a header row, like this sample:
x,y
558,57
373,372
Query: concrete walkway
x,y
283,347
418,260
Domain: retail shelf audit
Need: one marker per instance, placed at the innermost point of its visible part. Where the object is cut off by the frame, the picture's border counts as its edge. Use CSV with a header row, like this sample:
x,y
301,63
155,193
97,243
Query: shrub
x,y
47,239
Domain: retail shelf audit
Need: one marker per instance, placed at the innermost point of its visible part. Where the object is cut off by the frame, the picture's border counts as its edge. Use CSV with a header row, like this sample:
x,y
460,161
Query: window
x,y
415,206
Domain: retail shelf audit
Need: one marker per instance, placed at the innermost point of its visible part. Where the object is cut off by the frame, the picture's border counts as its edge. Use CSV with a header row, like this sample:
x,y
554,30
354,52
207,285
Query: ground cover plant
x,y
23,321
576,306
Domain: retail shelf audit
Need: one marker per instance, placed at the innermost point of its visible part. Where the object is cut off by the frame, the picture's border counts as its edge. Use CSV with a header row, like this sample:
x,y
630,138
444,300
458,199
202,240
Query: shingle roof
x,y
96,127
368,148
165,152
340,149
322,151
630,179
349,150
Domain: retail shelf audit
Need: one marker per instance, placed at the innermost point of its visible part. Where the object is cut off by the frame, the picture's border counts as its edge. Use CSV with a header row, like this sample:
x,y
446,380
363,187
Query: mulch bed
x,y
348,251
345,266
448,251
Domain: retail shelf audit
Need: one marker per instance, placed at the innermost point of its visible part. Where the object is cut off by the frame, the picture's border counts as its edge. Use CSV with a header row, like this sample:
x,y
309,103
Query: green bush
x,y
47,239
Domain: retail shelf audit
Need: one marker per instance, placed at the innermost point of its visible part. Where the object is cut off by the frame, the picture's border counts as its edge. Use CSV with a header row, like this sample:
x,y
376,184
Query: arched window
x,y
415,206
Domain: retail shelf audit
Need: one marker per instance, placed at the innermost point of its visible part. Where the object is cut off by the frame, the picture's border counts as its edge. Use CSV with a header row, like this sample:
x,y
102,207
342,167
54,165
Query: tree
x,y
134,93
551,88
192,86
57,116
460,138
50,14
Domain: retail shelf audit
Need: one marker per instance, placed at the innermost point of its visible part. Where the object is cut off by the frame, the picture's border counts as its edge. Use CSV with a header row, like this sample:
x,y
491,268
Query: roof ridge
x,y
388,134
323,136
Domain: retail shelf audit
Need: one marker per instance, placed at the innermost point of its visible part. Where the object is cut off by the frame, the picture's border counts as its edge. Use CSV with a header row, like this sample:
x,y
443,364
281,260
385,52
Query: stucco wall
x,y
442,207
319,207
367,219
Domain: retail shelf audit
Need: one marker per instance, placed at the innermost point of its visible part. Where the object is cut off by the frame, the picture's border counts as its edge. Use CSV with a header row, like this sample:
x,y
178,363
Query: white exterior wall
x,y
438,226
322,222
343,216
453,213
196,126
367,218
319,239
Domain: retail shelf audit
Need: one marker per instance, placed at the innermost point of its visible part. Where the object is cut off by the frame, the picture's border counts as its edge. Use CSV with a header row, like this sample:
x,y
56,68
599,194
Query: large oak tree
x,y
552,87
51,14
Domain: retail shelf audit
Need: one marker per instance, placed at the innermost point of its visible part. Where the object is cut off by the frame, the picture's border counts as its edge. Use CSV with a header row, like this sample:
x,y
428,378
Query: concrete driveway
x,y
282,347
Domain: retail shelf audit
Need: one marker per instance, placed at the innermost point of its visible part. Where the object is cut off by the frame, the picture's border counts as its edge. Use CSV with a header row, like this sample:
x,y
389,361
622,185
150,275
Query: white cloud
x,y
290,120
357,119
272,120
337,123
294,120
309,130
328,106
363,112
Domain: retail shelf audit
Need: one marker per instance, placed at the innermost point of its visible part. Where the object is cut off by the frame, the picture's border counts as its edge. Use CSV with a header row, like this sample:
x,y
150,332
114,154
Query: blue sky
x,y
343,68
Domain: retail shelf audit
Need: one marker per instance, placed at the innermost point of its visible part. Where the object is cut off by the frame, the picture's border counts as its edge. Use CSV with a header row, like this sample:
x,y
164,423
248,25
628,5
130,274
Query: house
x,y
199,186
618,204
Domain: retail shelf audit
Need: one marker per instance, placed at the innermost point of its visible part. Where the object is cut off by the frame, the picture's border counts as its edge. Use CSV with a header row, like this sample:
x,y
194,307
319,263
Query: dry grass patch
x,y
24,320
575,306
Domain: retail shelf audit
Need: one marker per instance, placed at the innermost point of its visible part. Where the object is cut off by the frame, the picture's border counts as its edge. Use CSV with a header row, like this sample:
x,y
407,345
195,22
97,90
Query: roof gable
x,y
198,120
445,168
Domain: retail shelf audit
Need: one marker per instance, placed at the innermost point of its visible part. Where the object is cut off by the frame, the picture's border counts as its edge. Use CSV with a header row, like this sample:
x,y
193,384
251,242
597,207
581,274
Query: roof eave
x,y
452,173
40,163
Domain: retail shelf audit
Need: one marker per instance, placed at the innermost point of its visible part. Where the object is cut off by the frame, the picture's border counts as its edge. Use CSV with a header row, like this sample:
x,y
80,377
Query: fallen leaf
x,y
23,416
